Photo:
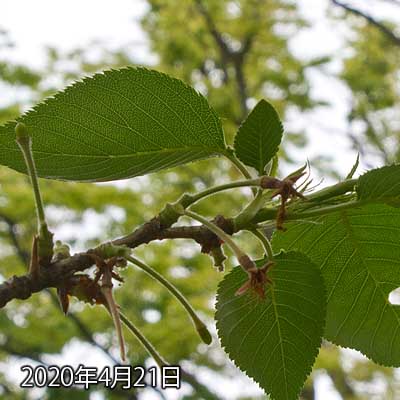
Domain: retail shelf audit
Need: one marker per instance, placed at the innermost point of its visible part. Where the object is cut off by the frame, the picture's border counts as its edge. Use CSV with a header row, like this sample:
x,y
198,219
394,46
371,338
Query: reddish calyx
x,y
257,281
284,188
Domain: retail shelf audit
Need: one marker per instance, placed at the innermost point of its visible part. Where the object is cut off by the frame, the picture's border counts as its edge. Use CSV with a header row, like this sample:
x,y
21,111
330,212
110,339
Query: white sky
x,y
69,24
63,24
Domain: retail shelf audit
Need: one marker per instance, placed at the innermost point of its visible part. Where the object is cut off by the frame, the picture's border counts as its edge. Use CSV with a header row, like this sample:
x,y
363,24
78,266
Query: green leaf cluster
x,y
332,271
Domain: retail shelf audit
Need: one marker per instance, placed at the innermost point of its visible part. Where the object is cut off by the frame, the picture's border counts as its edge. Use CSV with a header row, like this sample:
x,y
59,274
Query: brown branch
x,y
24,257
157,228
22,287
384,29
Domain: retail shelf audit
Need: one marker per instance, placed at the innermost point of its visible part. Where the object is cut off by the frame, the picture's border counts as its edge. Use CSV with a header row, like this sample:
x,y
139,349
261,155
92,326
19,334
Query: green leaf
x,y
259,136
358,252
275,340
116,125
382,184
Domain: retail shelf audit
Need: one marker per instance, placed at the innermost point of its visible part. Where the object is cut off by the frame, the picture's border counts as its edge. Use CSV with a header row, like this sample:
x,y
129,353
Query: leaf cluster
x,y
333,265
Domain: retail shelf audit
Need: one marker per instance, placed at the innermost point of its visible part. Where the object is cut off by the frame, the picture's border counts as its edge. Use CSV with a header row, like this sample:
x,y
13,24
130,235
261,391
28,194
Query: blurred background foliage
x,y
234,52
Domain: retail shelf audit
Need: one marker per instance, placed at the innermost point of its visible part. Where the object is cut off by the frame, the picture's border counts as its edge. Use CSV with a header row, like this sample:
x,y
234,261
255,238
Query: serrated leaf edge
x,y
260,170
308,372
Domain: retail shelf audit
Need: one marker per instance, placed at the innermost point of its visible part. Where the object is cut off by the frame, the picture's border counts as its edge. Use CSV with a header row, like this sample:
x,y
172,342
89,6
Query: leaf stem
x,y
238,164
24,142
251,210
143,340
198,323
274,166
188,200
45,237
265,242
327,210
230,154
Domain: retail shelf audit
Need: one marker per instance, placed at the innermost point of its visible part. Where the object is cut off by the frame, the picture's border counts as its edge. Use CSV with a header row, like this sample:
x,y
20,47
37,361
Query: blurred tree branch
x,y
384,29
230,55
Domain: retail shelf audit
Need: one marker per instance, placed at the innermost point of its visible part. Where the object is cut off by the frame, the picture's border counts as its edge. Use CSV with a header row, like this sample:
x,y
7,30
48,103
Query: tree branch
x,y
227,54
24,286
159,228
216,34
24,257
385,30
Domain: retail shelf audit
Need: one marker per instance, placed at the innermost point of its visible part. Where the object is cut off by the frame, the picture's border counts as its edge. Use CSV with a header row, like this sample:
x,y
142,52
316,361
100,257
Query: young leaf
x,y
259,136
116,125
381,184
358,254
275,340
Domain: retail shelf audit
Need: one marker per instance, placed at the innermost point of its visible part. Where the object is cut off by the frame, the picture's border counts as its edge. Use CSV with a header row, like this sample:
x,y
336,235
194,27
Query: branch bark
x,y
24,257
200,234
22,287
159,228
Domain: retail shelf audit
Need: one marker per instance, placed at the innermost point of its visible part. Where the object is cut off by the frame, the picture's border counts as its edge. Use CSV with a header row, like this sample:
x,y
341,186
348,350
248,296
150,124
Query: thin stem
x,y
274,166
113,310
327,210
24,142
231,156
191,199
265,242
245,261
199,325
143,340
270,213
251,210
218,231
